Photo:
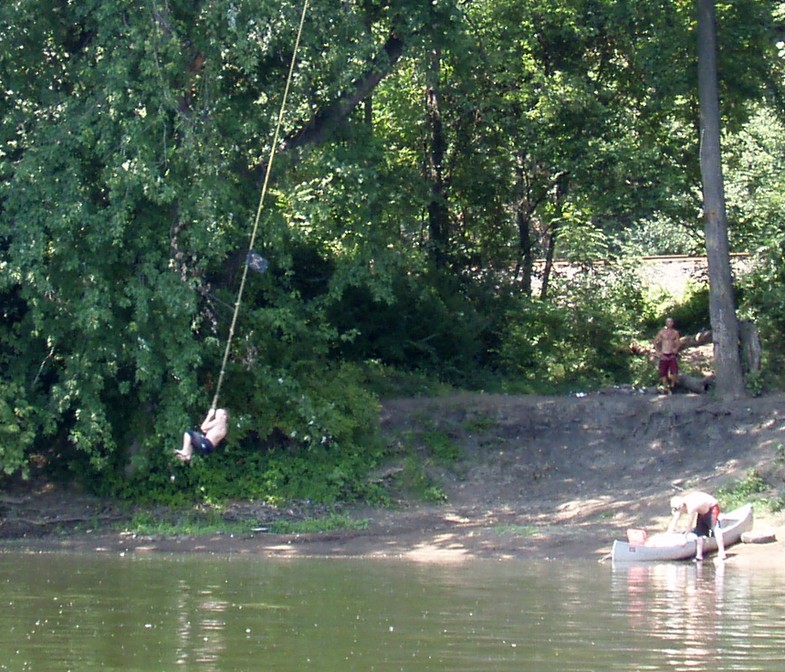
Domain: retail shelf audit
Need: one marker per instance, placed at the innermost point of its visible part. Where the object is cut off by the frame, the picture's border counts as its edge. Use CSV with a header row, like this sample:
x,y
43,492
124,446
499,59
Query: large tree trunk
x,y
722,308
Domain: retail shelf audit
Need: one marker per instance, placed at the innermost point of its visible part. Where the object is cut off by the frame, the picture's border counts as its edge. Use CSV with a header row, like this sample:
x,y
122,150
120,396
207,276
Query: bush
x,y
579,339
310,436
691,315
428,323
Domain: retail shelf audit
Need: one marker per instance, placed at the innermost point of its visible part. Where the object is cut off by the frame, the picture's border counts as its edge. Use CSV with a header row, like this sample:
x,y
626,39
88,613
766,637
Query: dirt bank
x,y
536,477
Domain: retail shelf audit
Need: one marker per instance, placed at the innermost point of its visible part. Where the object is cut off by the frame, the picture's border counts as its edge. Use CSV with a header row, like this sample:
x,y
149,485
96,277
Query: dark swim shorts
x,y
200,442
704,525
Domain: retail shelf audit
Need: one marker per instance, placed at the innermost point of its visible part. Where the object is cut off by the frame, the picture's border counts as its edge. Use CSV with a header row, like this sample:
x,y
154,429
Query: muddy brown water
x,y
71,611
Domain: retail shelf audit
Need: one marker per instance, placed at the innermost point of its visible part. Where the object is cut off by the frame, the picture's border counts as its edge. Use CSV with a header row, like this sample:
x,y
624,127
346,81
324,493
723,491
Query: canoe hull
x,y
684,547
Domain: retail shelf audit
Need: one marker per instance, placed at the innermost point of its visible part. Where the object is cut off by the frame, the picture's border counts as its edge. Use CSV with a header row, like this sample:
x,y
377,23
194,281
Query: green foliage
x,y
313,438
186,523
441,445
389,382
661,235
764,303
211,521
755,195
417,482
751,488
427,323
691,314
576,340
17,429
755,179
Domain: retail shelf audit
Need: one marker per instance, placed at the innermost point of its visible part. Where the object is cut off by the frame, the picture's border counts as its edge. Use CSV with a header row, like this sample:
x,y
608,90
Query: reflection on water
x,y
82,612
702,616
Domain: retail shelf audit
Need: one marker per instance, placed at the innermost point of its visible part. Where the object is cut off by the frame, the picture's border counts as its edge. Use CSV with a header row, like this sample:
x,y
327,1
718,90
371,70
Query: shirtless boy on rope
x,y
205,439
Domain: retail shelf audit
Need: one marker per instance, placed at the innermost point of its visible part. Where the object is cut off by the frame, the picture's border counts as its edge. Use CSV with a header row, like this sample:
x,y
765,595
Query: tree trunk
x,y
523,222
722,308
560,183
438,214
319,127
548,266
751,348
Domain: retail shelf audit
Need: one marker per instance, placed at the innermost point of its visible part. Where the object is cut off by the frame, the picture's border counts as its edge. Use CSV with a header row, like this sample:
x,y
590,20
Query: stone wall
x,y
673,275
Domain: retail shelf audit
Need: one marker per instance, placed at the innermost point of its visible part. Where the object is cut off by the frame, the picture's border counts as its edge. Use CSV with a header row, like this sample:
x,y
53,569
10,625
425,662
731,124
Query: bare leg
x,y
185,453
699,549
720,542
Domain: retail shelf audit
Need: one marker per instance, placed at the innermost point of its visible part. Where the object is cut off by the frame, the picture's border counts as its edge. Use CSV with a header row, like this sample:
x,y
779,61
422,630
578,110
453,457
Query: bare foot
x,y
182,456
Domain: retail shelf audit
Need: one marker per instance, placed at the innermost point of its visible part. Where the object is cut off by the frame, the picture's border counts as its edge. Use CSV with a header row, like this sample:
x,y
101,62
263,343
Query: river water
x,y
160,613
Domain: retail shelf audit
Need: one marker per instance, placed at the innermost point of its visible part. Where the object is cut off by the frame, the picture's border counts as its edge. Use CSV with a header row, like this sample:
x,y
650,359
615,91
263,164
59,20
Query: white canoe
x,y
681,546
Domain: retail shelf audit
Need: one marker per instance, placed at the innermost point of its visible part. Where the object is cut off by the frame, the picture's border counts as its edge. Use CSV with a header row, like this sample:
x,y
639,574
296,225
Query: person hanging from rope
x,y
205,439
216,425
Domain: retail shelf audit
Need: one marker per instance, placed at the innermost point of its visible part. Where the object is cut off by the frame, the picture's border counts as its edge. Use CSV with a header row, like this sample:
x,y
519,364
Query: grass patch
x,y
752,488
148,524
211,523
331,522
441,445
480,423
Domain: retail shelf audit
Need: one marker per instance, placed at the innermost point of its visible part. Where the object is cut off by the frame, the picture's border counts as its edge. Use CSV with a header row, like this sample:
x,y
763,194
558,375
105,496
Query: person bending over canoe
x,y
703,511
205,439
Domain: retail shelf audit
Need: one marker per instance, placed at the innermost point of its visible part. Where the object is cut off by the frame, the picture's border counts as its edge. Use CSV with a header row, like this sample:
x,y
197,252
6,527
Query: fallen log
x,y
695,384
696,340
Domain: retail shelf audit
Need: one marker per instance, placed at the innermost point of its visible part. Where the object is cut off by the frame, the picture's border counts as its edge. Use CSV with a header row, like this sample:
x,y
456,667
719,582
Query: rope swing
x,y
252,259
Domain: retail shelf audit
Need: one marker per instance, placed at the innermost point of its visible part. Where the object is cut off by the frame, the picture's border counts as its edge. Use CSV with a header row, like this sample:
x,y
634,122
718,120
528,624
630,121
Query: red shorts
x,y
669,365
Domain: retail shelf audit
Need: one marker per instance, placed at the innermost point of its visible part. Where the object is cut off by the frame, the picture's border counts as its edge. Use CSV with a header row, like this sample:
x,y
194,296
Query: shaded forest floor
x,y
521,477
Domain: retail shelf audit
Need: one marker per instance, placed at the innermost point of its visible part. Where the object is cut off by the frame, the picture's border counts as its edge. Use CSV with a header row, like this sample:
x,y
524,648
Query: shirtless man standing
x,y
212,431
703,511
666,345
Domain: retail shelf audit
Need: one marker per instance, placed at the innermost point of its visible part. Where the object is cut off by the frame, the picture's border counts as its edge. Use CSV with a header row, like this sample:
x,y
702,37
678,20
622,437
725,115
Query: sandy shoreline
x,y
428,535
536,478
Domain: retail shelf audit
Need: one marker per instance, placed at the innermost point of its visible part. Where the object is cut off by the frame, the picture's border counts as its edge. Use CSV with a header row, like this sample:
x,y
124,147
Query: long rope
x,y
276,135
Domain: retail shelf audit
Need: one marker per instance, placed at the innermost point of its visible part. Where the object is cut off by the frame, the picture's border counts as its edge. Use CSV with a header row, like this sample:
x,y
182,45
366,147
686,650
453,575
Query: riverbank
x,y
533,477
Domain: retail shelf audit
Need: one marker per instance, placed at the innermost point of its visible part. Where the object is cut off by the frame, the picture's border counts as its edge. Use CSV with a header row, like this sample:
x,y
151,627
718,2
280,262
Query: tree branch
x,y
318,128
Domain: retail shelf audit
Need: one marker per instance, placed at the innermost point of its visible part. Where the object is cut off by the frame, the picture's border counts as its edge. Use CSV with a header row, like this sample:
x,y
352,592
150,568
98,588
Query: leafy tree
x,y
132,144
